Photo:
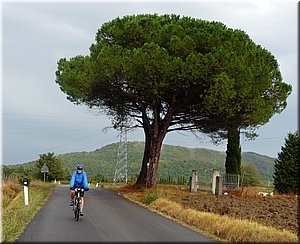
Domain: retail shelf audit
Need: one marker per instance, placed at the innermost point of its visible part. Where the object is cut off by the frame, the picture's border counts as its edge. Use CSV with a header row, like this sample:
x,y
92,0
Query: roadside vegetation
x,y
222,228
15,215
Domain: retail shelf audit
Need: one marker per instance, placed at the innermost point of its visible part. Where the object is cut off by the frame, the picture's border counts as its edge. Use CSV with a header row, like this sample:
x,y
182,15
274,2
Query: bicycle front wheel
x,y
77,214
77,210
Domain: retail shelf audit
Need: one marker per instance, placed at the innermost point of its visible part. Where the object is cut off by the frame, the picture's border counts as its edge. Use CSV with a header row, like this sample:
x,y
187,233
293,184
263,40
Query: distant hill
x,y
174,161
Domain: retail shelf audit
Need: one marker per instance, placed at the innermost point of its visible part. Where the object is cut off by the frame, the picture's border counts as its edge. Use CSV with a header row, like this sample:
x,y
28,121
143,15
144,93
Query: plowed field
x,y
275,211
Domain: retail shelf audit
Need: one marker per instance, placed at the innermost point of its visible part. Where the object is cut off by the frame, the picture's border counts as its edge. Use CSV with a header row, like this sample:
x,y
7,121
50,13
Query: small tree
x,y
286,175
56,170
250,175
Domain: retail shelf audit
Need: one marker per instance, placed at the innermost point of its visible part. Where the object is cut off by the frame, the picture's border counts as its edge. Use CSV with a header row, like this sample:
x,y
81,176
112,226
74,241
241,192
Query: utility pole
x,y
121,168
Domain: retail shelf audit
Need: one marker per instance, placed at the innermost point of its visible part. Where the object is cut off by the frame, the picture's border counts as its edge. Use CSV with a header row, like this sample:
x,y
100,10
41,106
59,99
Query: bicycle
x,y
77,202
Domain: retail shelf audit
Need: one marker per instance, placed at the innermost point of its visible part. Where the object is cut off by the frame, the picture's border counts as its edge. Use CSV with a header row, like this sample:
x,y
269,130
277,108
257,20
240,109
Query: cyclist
x,y
78,180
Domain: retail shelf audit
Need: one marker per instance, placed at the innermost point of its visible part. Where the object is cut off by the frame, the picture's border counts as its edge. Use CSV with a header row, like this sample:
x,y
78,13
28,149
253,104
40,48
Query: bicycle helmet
x,y
80,166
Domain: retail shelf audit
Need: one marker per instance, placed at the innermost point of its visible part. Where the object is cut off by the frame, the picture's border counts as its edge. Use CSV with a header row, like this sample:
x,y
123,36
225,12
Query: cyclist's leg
x,y
82,201
82,204
72,195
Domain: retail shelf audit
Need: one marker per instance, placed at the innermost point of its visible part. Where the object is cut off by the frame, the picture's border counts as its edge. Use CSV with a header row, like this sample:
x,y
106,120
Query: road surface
x,y
107,217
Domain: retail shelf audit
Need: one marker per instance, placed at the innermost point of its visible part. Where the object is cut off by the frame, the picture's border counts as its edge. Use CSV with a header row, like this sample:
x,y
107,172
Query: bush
x,y
148,199
250,175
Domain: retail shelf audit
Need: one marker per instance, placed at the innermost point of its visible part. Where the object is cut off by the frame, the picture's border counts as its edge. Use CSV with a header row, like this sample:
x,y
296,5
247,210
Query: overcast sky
x,y
36,116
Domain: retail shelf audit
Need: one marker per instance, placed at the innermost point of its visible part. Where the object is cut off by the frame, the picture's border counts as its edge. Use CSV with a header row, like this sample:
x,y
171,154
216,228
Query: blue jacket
x,y
79,180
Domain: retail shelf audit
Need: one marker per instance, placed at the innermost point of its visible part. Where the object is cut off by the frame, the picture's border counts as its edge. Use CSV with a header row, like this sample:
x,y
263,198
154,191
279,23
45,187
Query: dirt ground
x,y
278,212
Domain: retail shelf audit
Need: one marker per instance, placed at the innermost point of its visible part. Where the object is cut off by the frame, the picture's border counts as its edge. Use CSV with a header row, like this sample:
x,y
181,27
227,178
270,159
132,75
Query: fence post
x,y
194,181
215,174
219,186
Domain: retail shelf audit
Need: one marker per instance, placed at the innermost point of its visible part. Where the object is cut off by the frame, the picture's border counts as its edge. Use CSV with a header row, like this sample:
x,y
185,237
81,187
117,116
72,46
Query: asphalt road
x,y
108,217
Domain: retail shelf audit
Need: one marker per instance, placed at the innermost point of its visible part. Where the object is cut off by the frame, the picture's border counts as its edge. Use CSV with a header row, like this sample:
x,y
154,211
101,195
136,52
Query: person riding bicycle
x,y
78,180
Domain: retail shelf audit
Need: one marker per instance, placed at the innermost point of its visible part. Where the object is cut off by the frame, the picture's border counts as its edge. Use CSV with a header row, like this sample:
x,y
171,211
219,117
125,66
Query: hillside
x,y
174,161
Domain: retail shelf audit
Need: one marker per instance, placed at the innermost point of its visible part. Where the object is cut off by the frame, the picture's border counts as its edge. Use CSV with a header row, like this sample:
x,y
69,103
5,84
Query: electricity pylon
x,y
121,169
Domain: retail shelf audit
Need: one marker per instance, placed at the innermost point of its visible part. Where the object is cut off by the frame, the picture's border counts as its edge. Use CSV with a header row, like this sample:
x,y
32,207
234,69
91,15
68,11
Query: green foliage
x,y
250,175
149,198
286,175
179,180
176,73
205,65
248,87
99,165
264,165
56,171
233,152
18,172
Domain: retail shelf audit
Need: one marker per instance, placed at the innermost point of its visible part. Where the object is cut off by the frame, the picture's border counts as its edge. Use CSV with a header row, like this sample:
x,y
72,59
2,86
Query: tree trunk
x,y
141,180
233,152
148,173
155,133
152,164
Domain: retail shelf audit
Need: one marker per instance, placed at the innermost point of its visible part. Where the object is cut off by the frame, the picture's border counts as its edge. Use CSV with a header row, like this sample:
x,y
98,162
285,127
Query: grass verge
x,y
216,226
15,215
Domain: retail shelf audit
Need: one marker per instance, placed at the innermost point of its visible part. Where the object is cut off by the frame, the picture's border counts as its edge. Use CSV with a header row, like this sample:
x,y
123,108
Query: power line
x,y
51,119
87,146
72,142
35,128
45,116
98,143
267,139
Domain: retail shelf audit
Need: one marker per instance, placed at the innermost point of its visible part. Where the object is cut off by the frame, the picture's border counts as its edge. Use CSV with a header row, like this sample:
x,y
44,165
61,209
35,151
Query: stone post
x,y
194,181
215,174
219,186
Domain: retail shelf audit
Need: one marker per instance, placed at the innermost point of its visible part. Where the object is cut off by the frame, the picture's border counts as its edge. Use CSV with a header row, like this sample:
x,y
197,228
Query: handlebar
x,y
79,188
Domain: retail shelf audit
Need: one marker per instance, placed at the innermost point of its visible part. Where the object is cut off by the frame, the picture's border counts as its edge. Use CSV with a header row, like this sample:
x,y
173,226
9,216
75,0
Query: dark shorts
x,y
81,192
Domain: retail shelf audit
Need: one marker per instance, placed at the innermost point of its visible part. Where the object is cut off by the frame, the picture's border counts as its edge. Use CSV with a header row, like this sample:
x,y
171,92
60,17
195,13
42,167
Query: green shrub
x,y
150,198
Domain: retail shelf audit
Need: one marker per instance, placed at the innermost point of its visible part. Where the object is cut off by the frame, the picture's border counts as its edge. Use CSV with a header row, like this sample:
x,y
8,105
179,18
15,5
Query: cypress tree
x,y
286,175
233,152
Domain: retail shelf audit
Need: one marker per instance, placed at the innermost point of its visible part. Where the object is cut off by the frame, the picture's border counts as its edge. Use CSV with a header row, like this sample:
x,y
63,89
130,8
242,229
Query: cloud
x,y
43,22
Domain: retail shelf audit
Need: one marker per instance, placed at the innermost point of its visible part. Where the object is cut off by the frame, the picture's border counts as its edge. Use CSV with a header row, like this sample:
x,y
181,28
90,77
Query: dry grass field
x,y
242,215
15,215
